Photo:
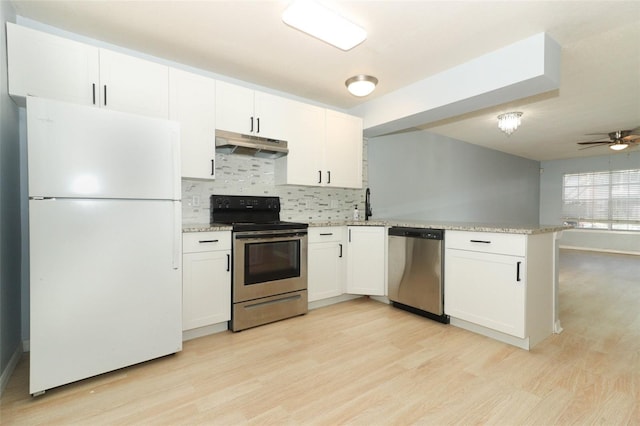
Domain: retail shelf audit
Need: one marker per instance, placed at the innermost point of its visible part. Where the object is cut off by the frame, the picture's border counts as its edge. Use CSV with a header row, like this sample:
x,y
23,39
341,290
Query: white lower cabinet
x,y
500,283
366,261
326,263
206,279
483,288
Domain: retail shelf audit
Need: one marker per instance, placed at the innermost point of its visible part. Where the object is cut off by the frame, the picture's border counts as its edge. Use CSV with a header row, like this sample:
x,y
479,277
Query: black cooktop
x,y
249,213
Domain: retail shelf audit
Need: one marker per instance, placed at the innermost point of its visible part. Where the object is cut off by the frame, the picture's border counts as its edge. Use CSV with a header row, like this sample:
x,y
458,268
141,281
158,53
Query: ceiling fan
x,y
618,140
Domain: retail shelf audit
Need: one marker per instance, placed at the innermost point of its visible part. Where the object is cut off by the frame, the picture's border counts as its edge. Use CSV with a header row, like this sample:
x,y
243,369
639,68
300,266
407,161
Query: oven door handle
x,y
286,235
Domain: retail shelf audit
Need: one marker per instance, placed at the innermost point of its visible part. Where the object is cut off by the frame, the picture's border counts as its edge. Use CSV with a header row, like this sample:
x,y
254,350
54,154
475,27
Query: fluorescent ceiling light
x,y
322,23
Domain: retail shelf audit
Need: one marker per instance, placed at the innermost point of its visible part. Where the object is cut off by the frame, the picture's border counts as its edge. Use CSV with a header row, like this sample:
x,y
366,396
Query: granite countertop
x,y
449,226
205,227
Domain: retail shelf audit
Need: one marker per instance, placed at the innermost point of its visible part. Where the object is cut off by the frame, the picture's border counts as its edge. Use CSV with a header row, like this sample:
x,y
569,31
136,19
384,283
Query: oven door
x,y
266,263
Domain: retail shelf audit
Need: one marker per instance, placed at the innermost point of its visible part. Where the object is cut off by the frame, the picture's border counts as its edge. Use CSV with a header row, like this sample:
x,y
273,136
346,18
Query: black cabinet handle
x,y
207,241
326,233
480,241
258,121
228,262
328,176
93,91
105,95
251,125
319,176
340,249
213,167
349,235
518,271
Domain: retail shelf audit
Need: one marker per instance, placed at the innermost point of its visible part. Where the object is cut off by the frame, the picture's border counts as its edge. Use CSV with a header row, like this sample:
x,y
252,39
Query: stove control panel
x,y
242,202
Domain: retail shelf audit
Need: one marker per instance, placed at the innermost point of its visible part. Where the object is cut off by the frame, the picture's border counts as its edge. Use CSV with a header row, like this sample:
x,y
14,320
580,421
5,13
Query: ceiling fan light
x,y
361,85
619,146
509,122
324,24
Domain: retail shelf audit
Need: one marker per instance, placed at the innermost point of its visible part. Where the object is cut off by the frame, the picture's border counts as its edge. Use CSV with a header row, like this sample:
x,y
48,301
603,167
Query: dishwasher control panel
x,y
424,233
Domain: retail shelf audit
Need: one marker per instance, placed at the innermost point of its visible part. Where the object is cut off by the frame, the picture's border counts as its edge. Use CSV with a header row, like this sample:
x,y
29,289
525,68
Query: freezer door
x,y
78,151
105,288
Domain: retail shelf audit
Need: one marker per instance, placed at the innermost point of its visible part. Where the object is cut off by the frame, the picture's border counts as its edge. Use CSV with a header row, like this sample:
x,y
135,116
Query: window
x,y
602,200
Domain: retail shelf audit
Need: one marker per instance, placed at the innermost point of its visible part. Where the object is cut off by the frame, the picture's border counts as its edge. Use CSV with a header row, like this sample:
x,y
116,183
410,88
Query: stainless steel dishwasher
x,y
415,271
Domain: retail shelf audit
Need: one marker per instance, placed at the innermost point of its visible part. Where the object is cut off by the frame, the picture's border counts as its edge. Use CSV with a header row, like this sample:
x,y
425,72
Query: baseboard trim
x,y
204,331
493,334
332,300
633,253
8,371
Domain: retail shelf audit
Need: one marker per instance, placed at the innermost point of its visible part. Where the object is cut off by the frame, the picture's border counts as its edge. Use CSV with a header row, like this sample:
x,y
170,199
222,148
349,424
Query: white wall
x,y
423,176
10,251
551,200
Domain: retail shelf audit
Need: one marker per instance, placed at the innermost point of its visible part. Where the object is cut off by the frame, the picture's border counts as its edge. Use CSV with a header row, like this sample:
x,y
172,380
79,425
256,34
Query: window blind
x,y
602,200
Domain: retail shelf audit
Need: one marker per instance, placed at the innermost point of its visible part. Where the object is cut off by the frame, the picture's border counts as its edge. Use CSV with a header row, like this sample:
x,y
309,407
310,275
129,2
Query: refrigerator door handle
x,y
177,234
177,180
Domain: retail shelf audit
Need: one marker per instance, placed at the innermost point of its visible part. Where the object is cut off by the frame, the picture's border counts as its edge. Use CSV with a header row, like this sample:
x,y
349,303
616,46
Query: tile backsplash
x,y
244,175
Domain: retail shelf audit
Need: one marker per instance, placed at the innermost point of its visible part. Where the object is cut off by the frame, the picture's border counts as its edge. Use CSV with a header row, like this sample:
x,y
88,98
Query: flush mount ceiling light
x,y
509,121
324,24
361,85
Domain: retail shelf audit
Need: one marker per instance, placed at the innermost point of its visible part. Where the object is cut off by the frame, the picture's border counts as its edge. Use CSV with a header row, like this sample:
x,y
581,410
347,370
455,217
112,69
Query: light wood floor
x,y
364,362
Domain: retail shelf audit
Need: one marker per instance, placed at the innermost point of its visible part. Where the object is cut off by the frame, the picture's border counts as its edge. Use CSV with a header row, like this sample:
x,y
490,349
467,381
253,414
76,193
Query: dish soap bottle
x,y
356,213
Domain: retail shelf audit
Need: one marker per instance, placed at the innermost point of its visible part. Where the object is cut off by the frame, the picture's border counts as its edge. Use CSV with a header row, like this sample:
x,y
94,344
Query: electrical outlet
x,y
195,201
333,204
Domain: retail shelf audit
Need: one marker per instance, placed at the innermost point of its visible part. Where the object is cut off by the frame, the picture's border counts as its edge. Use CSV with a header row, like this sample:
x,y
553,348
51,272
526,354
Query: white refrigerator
x,y
105,241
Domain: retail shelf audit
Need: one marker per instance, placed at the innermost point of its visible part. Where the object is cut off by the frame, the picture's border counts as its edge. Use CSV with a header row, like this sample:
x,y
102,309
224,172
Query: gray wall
x,y
422,176
551,200
10,250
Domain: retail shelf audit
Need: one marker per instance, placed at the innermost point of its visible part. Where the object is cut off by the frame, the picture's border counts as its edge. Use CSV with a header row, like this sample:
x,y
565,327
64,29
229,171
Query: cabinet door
x,y
192,102
234,108
343,150
206,288
483,288
133,85
273,115
40,64
325,269
305,134
366,260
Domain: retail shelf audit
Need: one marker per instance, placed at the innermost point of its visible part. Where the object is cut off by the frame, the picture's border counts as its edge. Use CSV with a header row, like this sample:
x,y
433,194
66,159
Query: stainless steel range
x,y
269,275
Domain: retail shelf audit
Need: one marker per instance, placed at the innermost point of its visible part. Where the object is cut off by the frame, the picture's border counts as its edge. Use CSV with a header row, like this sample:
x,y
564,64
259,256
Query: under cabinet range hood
x,y
255,146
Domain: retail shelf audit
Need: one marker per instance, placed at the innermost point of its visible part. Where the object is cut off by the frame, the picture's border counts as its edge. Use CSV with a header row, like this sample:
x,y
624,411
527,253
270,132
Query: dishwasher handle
x,y
423,233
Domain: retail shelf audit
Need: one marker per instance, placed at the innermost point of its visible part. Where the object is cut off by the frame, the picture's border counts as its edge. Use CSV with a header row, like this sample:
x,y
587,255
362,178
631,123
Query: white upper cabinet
x,y
133,85
49,66
53,67
305,136
234,110
249,112
325,149
343,150
192,103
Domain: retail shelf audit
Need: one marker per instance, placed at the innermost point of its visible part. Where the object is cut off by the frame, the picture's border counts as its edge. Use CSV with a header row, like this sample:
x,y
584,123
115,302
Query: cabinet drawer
x,y
195,242
325,234
487,242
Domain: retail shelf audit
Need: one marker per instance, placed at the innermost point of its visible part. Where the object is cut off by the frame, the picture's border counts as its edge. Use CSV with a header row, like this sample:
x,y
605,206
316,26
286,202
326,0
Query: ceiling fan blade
x,y
593,142
587,147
